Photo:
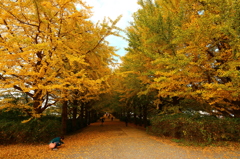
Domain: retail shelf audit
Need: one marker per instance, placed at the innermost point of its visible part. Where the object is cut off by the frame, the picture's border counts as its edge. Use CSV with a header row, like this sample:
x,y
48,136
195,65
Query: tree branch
x,y
20,89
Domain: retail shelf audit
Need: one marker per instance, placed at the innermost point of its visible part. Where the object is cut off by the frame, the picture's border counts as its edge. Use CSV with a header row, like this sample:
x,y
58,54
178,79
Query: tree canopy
x,y
188,50
51,52
180,52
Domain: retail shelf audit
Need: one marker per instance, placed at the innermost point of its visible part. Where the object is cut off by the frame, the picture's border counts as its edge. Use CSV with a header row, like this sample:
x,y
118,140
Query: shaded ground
x,y
114,140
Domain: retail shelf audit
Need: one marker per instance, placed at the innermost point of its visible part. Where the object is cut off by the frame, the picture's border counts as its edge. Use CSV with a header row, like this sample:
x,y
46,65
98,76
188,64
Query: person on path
x,y
102,120
112,118
58,141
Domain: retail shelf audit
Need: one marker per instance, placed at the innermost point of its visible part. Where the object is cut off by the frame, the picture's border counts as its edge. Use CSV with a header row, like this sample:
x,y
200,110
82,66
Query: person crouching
x,y
54,143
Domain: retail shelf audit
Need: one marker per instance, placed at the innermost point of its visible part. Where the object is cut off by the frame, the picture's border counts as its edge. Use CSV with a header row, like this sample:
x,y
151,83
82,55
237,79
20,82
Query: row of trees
x,y
183,55
52,54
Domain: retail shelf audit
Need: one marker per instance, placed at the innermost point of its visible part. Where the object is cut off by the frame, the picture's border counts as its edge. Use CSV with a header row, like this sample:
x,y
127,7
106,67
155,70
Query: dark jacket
x,y
57,140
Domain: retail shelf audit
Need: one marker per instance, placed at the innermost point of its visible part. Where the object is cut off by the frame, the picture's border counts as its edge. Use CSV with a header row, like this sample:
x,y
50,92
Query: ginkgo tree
x,y
150,36
49,50
193,47
130,83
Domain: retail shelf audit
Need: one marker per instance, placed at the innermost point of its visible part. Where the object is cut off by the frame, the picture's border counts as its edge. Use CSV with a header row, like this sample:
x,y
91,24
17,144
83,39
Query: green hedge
x,y
196,128
40,130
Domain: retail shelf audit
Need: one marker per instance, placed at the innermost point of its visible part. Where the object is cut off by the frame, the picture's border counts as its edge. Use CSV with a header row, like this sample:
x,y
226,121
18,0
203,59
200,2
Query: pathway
x,y
114,140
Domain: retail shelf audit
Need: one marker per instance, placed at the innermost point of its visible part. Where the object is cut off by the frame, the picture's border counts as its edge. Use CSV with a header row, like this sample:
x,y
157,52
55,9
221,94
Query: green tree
x,y
193,50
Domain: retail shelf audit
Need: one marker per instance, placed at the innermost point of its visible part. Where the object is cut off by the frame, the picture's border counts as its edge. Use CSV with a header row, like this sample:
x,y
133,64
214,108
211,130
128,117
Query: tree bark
x,y
160,106
82,114
145,116
86,115
74,120
135,114
64,118
140,115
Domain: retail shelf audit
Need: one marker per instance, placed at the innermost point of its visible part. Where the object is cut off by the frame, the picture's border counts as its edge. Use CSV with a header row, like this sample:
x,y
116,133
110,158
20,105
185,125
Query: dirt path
x,y
114,140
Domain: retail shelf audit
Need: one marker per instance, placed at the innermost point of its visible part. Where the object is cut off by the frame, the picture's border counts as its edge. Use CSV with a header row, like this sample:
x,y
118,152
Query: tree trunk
x,y
135,114
89,117
175,101
86,115
160,106
140,116
64,118
74,120
145,116
88,111
82,115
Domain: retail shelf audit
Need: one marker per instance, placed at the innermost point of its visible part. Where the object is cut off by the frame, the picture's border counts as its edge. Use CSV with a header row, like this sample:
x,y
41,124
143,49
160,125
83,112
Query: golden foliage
x,y
190,50
47,47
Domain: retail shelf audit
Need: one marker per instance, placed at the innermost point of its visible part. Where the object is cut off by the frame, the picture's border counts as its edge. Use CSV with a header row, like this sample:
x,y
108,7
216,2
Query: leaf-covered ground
x,y
114,140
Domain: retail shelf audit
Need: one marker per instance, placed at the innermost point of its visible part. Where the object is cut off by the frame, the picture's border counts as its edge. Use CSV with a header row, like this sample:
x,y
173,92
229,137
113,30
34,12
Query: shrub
x,y
196,128
34,131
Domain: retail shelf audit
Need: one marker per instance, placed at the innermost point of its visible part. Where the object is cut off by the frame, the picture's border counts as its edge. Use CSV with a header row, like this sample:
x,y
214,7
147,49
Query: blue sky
x,y
112,9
